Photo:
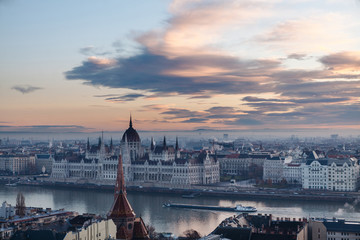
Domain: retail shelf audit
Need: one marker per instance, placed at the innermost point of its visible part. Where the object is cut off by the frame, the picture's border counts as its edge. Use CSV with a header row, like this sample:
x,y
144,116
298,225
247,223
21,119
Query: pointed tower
x,y
111,145
152,144
102,145
88,145
177,150
99,143
164,143
121,212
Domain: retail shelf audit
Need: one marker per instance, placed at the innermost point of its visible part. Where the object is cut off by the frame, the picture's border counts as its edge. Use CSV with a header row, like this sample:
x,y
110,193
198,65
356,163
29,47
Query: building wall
x,y
333,177
292,173
273,170
42,161
17,164
6,210
97,230
304,233
317,230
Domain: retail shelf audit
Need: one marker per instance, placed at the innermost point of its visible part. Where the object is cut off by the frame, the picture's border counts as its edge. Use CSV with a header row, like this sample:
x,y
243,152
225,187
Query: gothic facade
x,y
159,164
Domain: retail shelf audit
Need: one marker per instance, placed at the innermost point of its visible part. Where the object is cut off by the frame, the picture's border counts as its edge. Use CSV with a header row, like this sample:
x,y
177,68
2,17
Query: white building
x,y
43,162
273,169
331,174
292,173
6,210
238,164
162,164
17,164
334,229
94,229
159,165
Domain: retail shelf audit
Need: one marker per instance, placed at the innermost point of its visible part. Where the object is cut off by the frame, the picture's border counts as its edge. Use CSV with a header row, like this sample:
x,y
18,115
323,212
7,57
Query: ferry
x,y
238,208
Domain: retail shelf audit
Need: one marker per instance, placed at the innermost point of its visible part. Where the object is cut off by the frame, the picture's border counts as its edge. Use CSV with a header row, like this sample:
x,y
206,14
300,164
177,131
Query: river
x,y
149,206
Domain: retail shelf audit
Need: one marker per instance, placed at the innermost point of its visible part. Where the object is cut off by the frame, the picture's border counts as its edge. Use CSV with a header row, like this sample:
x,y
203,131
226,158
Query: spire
x,y
120,180
177,144
121,211
130,123
164,143
152,145
111,144
88,145
99,144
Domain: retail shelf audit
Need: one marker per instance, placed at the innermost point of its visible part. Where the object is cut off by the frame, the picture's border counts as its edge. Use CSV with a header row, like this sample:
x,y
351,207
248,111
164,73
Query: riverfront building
x,y
239,164
273,169
159,165
17,164
331,174
43,162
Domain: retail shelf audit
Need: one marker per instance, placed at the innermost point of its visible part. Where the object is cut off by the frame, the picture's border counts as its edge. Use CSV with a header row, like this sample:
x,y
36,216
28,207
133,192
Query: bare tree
x,y
192,234
20,205
152,232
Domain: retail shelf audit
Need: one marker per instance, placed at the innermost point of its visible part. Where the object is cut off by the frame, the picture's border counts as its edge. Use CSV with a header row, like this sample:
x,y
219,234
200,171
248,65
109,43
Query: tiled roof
x,y
342,227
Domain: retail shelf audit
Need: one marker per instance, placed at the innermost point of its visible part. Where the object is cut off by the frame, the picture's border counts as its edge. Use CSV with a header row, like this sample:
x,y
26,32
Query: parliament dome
x,y
131,134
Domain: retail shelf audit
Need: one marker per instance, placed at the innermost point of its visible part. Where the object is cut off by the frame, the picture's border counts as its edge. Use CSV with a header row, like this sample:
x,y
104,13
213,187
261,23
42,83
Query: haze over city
x,y
274,65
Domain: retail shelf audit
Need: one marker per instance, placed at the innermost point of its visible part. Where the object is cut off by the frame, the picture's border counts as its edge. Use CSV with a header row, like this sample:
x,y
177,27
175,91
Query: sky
x,y
179,65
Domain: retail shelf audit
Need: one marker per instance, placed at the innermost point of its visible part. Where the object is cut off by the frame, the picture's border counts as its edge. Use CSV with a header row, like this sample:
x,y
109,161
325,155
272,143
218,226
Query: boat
x,y
237,208
191,195
11,184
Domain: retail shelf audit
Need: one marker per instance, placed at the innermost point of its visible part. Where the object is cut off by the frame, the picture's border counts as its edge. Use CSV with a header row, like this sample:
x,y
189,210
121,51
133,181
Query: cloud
x,y
195,120
121,98
91,50
342,61
310,33
297,56
183,60
244,121
183,75
200,97
182,113
24,89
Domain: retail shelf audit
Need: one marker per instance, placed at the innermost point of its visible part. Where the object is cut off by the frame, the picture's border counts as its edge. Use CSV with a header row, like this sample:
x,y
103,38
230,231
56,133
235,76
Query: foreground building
x,y
121,212
334,229
81,227
260,227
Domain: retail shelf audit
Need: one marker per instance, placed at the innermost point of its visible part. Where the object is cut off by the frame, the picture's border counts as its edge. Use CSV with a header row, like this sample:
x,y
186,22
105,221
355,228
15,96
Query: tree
x,y
192,234
152,232
20,205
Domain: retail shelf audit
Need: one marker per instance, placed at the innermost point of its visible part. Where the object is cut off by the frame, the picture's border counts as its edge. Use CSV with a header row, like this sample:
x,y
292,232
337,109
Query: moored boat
x,y
238,208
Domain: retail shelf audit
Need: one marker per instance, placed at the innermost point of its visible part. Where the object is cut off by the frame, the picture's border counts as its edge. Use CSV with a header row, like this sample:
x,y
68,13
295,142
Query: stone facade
x,y
158,165
331,174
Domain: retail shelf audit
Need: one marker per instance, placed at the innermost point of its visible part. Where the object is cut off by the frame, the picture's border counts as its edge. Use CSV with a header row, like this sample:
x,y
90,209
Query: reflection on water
x,y
149,206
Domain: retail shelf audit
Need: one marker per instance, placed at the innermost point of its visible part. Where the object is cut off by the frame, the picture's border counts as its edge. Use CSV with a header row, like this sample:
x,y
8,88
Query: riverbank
x,y
203,190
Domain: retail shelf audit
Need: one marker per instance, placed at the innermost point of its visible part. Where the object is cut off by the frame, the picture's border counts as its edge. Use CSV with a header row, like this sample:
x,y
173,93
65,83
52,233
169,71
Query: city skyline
x,y
179,65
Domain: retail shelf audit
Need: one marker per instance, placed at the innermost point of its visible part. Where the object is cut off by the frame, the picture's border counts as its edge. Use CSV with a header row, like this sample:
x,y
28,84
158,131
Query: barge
x,y
238,208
